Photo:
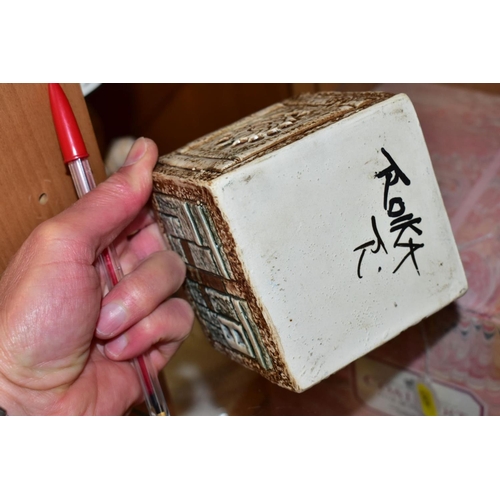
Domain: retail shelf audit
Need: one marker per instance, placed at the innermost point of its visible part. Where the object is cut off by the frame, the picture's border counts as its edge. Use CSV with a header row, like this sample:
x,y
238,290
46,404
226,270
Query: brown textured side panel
x,y
264,132
237,287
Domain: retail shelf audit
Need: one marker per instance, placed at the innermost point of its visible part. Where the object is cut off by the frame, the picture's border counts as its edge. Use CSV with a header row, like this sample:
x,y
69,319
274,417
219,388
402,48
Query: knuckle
x,y
185,314
147,325
130,180
116,189
137,296
177,266
117,185
167,265
54,236
47,232
146,288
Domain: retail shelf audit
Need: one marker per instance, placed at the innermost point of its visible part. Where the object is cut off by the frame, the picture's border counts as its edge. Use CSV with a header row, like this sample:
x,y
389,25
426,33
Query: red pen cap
x,y
68,132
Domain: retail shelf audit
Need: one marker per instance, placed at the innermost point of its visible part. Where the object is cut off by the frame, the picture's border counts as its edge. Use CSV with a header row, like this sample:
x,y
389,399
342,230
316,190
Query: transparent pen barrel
x,y
153,394
110,270
81,174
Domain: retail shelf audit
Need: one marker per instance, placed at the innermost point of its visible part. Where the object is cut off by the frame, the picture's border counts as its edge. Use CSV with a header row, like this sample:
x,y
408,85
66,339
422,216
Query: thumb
x,y
99,216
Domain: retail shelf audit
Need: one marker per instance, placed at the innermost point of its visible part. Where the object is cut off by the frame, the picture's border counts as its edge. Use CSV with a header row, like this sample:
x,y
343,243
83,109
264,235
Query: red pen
x,y
76,158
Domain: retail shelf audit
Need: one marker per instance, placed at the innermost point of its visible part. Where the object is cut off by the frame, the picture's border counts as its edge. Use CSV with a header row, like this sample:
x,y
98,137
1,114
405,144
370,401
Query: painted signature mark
x,y
401,222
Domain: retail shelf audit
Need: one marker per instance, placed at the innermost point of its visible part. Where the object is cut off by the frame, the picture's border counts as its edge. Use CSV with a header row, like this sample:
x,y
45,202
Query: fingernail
x,y
116,347
136,152
112,317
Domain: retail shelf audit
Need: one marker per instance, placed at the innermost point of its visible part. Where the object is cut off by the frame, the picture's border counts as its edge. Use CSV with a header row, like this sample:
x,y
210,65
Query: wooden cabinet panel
x,y
35,183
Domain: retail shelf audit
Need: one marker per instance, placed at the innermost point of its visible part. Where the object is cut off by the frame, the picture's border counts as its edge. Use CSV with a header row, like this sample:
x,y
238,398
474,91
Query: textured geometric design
x,y
226,317
268,129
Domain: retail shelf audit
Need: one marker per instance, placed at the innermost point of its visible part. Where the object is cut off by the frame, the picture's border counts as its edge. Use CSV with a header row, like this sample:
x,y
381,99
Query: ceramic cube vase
x,y
313,231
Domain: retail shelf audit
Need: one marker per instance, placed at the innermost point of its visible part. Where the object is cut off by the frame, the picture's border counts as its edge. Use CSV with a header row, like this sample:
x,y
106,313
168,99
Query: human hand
x,y
64,349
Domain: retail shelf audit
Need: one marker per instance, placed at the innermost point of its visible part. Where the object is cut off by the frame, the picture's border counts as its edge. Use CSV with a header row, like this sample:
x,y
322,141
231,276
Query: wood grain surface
x,y
35,183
